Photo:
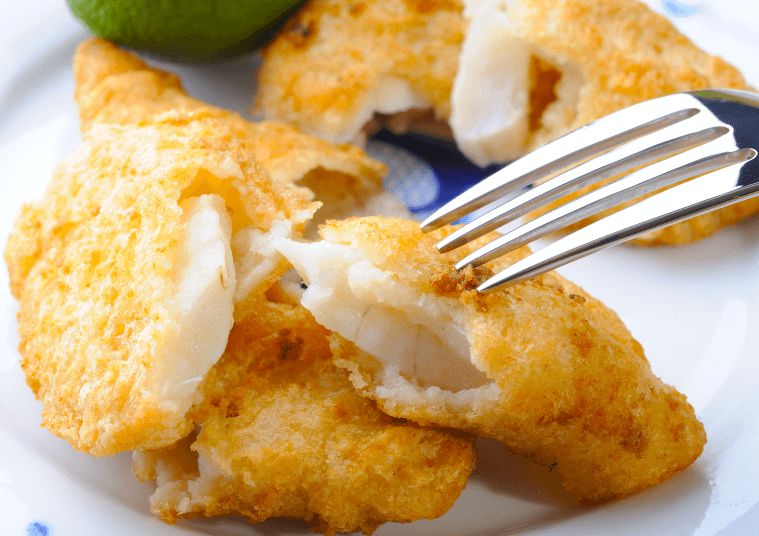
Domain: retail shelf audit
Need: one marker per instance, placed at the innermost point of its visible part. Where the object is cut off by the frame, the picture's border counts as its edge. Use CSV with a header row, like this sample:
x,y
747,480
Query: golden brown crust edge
x,y
322,67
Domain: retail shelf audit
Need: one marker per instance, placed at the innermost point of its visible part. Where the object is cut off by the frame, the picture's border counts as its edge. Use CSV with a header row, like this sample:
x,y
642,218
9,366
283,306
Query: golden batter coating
x,y
328,63
125,277
284,434
627,54
336,63
554,67
542,367
115,87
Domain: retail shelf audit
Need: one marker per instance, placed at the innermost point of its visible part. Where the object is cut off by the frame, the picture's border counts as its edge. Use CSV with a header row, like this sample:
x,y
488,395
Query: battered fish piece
x,y
127,268
115,87
528,72
336,64
581,60
542,367
284,434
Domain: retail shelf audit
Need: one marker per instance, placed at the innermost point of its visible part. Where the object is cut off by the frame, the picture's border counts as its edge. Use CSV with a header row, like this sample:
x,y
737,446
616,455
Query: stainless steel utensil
x,y
709,136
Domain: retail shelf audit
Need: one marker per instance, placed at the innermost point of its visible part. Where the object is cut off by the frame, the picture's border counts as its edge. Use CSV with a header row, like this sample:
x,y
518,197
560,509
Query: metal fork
x,y
709,136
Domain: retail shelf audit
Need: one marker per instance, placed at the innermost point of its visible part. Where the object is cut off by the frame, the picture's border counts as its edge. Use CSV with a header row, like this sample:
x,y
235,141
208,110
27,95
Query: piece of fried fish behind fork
x,y
552,67
530,72
284,434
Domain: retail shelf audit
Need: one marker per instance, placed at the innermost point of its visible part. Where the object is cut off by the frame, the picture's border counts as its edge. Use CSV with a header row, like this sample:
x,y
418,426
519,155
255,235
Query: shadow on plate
x,y
505,473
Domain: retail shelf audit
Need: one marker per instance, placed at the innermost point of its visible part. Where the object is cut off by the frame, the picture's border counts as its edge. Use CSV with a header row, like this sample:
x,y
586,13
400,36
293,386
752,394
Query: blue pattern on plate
x,y
409,178
37,529
680,9
424,171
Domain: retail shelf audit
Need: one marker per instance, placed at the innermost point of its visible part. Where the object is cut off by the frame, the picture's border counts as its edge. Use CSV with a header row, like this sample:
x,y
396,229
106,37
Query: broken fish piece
x,y
501,77
571,63
115,87
527,69
284,434
126,274
542,367
336,64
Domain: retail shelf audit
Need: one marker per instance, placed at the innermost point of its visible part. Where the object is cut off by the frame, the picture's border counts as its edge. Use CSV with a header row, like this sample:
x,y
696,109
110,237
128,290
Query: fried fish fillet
x,y
528,72
127,268
115,87
284,434
337,63
542,367
537,69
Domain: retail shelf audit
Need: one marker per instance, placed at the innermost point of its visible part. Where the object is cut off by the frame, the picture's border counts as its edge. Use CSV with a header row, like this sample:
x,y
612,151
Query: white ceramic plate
x,y
695,309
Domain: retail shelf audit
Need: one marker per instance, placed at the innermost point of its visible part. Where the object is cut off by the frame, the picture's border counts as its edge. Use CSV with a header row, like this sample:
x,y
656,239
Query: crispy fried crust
x,y
573,386
91,265
333,53
628,54
324,67
283,434
115,87
322,70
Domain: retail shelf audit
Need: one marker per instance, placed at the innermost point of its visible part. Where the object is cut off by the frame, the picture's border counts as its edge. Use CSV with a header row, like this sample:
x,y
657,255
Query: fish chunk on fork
x,y
709,136
542,367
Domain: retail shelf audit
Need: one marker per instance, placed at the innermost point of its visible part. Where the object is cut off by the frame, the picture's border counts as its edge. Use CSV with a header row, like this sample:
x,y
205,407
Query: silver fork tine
x,y
644,181
565,153
604,167
703,194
